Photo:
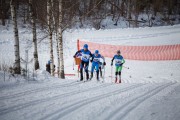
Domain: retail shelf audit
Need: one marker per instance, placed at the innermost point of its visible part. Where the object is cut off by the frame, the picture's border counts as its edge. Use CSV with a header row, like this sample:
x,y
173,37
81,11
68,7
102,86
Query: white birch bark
x,y
32,17
61,42
55,23
17,67
50,36
58,58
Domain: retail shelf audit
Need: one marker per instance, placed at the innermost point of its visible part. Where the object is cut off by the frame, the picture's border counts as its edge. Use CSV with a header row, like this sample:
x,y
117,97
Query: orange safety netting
x,y
146,53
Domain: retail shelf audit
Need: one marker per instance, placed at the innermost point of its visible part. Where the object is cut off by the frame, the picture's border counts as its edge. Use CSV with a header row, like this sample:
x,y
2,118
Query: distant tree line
x,y
79,11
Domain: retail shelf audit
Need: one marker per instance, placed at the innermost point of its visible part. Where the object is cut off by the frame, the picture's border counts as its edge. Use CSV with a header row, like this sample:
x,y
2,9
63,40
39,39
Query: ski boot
x,y
81,75
81,79
91,76
87,76
115,79
97,76
119,77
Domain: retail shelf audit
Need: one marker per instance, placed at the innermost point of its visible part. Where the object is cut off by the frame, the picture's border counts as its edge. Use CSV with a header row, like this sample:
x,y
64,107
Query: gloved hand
x,y
91,60
104,63
74,56
121,64
111,63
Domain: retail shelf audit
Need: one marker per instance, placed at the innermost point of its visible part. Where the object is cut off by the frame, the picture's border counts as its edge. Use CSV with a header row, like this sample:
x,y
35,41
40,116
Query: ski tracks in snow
x,y
64,111
31,91
72,110
123,110
38,102
78,102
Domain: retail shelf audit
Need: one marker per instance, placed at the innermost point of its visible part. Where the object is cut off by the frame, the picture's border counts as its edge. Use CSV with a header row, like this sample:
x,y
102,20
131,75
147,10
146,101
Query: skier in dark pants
x,y
48,67
85,56
101,66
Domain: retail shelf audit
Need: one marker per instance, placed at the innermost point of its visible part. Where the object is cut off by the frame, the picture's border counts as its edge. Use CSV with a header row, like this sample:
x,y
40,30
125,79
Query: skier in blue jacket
x,y
96,63
85,57
119,61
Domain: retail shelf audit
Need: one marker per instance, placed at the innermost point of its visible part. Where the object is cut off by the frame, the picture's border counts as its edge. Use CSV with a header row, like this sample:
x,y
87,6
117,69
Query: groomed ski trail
x,y
77,100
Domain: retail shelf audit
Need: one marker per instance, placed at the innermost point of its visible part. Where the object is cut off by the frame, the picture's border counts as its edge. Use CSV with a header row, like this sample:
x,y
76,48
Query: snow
x,y
149,89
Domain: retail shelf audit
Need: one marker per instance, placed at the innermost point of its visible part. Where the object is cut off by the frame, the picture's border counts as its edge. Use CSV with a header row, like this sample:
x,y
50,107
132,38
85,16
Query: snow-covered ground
x,y
150,90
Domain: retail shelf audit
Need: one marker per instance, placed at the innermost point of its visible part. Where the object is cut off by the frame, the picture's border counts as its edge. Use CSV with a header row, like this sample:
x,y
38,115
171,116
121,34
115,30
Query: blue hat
x,y
85,46
49,62
96,52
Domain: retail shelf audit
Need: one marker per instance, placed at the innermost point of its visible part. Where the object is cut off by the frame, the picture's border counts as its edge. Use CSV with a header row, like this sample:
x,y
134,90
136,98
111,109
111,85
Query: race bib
x,y
118,61
85,57
96,59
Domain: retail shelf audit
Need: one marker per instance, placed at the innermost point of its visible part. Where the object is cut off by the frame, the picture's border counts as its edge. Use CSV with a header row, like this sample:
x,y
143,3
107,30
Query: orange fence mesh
x,y
145,53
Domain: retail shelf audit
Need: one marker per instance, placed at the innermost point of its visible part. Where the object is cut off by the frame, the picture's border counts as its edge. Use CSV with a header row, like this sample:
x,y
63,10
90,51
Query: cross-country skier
x,y
119,61
48,66
85,56
95,63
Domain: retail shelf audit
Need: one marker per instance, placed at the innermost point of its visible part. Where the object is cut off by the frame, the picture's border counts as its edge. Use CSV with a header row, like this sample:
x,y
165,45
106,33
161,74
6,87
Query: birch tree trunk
x,y
17,67
58,58
55,26
36,62
50,36
61,42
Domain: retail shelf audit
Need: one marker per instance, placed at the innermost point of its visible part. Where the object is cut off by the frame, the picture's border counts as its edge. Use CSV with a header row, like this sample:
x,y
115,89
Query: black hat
x,y
118,52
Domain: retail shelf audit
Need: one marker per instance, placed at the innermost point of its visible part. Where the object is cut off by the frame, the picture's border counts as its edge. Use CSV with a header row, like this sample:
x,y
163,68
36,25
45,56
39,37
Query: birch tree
x,y
17,68
55,27
58,58
50,36
32,17
61,42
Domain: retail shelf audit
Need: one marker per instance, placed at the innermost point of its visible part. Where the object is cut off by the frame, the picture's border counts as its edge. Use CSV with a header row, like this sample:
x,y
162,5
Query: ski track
x,y
77,105
17,85
126,108
64,111
40,101
31,91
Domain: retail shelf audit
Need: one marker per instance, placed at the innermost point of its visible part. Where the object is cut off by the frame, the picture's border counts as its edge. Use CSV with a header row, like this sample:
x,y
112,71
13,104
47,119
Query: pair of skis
x,y
116,80
103,77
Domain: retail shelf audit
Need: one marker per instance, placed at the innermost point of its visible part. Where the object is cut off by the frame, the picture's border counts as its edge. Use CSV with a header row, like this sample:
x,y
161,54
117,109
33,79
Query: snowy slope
x,y
70,100
149,89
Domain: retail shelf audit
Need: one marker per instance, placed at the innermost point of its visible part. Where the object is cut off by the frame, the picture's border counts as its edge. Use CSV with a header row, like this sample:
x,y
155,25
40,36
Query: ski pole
x,y
78,70
111,74
84,75
73,65
104,74
126,67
